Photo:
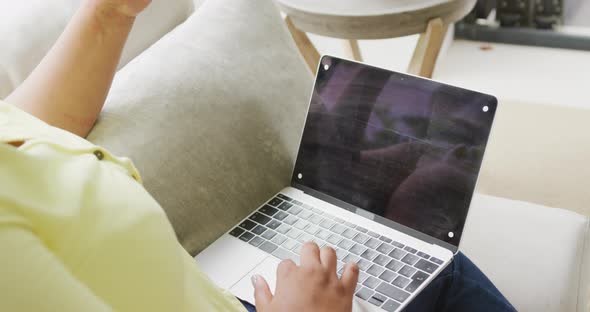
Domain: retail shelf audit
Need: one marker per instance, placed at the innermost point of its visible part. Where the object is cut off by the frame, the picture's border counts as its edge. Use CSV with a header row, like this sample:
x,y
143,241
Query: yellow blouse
x,y
78,232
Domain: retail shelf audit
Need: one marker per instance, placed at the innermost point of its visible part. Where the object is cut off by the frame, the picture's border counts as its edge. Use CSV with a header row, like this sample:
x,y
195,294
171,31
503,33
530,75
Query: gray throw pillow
x,y
211,115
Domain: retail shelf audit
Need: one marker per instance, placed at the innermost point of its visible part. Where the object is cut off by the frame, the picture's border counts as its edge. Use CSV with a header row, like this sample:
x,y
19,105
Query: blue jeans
x,y
460,287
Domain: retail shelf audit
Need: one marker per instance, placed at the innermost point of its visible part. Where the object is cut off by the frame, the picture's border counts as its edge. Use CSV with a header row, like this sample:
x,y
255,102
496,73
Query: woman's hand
x,y
128,8
312,287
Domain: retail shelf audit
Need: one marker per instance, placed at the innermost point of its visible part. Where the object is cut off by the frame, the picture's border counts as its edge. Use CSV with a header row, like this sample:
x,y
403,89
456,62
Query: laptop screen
x,y
400,147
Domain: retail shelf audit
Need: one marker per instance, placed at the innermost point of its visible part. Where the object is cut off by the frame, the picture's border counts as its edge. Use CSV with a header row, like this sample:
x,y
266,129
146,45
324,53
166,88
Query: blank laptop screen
x,y
403,148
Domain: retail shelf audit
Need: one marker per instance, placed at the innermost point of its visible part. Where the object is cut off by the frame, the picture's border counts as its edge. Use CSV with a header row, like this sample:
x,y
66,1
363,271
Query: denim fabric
x,y
460,287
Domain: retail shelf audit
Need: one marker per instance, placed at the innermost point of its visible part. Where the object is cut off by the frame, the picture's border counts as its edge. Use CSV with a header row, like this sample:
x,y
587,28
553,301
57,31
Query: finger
x,y
350,276
284,268
328,258
310,254
262,294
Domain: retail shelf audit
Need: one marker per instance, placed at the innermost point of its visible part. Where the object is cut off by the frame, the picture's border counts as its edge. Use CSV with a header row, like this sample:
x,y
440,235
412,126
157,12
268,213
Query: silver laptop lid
x,y
401,150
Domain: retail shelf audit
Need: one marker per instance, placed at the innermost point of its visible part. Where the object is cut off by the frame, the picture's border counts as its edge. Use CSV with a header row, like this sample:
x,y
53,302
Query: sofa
x,y
210,102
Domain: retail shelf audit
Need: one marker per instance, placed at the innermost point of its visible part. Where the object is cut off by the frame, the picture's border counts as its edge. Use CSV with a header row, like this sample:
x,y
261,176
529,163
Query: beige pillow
x,y
212,116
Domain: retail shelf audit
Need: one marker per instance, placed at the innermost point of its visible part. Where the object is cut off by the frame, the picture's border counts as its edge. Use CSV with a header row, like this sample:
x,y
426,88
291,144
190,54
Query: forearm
x,y
69,87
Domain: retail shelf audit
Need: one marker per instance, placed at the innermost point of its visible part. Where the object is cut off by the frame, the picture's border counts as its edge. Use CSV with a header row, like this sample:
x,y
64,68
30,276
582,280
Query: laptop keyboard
x,y
389,270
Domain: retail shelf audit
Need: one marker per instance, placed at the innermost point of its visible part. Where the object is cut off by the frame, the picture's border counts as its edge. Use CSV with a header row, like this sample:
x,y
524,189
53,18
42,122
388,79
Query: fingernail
x,y
253,279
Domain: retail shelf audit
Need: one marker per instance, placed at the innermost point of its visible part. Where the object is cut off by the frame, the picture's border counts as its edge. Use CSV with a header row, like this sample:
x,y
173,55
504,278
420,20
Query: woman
x,y
79,233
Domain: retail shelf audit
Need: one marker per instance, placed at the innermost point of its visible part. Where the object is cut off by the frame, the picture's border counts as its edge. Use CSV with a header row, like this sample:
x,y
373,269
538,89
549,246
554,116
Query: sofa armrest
x,y
532,253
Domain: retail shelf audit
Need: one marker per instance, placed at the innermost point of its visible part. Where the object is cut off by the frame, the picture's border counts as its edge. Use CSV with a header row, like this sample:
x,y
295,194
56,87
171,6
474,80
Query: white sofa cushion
x,y
532,253
212,116
28,28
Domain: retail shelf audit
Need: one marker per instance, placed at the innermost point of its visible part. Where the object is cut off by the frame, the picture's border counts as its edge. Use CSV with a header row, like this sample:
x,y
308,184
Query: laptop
x,y
385,174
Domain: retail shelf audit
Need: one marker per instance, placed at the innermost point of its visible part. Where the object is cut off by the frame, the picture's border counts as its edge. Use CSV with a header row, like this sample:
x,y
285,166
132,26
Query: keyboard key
x,y
268,235
256,241
361,238
294,233
323,234
407,271
361,229
327,224
289,244
260,218
385,248
259,229
295,210
236,232
398,244
423,255
247,224
284,197
315,219
285,206
334,239
392,292
268,247
410,259
436,260
278,239
275,201
306,206
246,236
349,233
426,266
401,282
350,225
362,276
281,215
301,224
312,229
283,254
364,293
273,224
283,229
268,210
304,238
305,214
377,299
394,265
397,254
371,282
340,253
375,270
350,258
363,264
387,276
296,202
417,280
410,249
369,254
382,260
345,244
317,211
357,249
290,220
385,239
338,228
372,243
390,306
373,234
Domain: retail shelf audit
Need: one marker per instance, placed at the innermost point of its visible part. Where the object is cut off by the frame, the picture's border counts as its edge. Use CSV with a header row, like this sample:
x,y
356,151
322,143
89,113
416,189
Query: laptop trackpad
x,y
267,269
228,259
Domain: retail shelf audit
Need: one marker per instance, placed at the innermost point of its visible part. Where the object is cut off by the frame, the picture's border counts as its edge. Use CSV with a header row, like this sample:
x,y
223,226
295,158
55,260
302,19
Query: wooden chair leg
x,y
352,50
428,48
306,47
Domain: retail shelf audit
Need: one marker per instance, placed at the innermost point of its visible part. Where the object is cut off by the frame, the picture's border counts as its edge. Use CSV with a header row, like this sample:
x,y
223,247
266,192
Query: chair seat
x,y
371,19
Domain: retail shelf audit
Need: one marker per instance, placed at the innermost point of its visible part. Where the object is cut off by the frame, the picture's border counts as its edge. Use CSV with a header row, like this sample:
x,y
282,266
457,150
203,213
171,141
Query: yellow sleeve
x,y
33,279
